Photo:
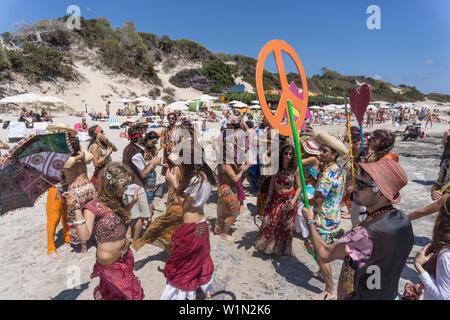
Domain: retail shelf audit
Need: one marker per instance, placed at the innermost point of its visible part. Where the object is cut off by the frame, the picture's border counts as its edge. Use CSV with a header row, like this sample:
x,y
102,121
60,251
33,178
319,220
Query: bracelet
x,y
79,222
77,208
310,221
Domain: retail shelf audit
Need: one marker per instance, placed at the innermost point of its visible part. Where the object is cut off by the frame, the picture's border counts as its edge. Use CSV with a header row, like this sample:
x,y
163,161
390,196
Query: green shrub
x,y
219,72
39,63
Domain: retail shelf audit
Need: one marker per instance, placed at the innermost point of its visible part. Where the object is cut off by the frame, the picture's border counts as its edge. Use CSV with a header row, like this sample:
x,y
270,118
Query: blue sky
x,y
412,46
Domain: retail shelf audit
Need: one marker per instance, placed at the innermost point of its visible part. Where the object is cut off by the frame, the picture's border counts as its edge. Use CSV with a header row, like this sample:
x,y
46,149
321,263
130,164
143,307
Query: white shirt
x,y
199,192
439,288
223,121
139,161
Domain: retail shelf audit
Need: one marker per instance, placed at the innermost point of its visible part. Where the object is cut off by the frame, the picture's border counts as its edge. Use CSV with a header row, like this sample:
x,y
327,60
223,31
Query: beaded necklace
x,y
378,212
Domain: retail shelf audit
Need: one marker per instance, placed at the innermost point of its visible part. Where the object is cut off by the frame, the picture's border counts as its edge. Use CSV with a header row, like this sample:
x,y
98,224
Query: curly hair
x,y
441,237
387,140
109,181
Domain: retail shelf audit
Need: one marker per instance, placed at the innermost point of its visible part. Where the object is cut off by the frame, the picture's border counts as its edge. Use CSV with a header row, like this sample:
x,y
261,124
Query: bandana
x,y
135,136
98,129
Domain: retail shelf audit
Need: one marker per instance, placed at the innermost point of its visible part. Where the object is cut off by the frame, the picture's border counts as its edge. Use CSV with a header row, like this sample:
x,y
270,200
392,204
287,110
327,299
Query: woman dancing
x,y
190,266
107,218
228,205
276,232
101,149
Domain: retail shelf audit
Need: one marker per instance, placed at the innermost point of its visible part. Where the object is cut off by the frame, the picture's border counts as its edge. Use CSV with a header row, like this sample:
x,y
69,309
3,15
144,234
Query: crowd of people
x,y
116,205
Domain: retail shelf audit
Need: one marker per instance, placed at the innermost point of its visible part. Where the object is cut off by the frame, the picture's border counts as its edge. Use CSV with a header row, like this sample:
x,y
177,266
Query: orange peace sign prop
x,y
275,120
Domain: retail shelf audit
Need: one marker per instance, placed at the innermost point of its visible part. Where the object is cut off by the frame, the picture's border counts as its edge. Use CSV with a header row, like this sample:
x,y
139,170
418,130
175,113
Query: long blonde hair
x,y
109,181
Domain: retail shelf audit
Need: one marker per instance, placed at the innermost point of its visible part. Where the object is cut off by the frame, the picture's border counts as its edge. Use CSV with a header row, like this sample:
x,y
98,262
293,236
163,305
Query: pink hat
x,y
311,146
389,177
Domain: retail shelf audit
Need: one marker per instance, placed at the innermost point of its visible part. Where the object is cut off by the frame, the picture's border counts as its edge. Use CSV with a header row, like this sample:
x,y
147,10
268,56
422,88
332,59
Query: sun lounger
x,y
16,131
114,123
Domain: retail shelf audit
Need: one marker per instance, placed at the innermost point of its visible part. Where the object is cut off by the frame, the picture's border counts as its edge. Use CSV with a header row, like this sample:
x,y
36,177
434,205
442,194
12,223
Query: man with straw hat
x,y
326,202
375,251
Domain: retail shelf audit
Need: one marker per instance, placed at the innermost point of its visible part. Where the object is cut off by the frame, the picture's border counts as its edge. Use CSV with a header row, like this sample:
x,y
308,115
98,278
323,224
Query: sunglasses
x,y
362,185
171,118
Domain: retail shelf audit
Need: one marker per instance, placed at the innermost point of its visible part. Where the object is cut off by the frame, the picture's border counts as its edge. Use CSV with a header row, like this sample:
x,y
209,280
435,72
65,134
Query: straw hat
x,y
326,139
389,177
62,127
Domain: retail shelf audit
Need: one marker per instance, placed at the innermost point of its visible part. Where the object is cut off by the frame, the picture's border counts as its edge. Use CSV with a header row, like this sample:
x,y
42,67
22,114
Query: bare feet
x,y
317,275
84,249
324,295
207,296
227,237
53,255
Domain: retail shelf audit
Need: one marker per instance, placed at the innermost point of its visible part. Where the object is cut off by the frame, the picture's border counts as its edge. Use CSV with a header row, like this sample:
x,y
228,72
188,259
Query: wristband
x,y
310,221
79,222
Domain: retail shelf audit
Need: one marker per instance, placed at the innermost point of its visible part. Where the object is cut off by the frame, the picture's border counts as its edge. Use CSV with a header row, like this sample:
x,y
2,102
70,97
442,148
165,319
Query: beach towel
x,y
83,136
17,130
77,126
40,127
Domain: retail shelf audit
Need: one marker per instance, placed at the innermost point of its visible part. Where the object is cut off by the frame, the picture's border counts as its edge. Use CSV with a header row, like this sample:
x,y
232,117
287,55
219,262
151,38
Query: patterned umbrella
x,y
30,168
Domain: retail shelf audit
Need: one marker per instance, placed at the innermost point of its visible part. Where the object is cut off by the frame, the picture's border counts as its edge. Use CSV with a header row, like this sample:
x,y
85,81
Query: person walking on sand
x,y
382,242
190,265
106,218
276,231
107,108
326,202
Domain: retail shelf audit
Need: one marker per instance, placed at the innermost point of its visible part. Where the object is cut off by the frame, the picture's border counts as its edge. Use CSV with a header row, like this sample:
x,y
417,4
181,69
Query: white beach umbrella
x,y
177,106
21,98
329,108
239,105
235,101
372,107
255,102
315,108
124,100
143,100
256,106
205,97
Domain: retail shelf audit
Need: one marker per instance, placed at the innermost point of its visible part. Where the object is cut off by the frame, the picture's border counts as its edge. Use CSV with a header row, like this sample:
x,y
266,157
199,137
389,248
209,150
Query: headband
x,y
97,130
135,136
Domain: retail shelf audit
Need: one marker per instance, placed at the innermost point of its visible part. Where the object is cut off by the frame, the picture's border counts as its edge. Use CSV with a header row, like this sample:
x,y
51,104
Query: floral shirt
x,y
331,186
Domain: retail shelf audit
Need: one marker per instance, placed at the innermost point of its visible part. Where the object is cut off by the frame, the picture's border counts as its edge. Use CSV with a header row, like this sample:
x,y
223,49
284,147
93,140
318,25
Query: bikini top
x,y
108,226
284,179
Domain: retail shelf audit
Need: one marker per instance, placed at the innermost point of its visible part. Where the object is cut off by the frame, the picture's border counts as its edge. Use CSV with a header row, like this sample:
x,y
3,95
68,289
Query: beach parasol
x,y
177,106
30,168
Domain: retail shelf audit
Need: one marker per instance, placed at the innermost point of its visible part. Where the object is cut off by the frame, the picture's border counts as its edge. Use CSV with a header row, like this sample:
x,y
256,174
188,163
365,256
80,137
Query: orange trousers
x,y
56,211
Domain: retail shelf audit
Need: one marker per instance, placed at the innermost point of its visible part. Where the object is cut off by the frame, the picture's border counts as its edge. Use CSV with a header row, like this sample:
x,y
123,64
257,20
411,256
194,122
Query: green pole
x,y
299,155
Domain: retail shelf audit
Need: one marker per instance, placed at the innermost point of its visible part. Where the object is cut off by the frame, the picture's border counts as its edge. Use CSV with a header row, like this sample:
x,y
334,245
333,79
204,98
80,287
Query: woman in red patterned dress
x,y
107,218
276,232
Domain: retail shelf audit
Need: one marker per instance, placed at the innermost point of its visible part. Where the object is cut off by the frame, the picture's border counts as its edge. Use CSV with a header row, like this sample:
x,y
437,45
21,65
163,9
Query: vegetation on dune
x,y
275,98
125,51
38,63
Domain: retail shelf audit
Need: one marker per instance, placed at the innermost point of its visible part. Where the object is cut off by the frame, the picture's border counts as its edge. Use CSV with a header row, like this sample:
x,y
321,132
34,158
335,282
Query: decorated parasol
x,y
30,168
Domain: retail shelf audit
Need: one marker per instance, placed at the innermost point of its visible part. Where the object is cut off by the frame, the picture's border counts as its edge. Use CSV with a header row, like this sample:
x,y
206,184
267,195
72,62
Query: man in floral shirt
x,y
326,202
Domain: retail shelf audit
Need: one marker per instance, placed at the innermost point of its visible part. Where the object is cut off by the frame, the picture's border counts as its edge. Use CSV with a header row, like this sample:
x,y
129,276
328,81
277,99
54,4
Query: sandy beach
x,y
240,271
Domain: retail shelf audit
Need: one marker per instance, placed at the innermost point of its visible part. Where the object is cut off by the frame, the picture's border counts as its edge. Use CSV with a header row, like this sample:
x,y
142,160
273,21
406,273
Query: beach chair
x,y
16,131
114,123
